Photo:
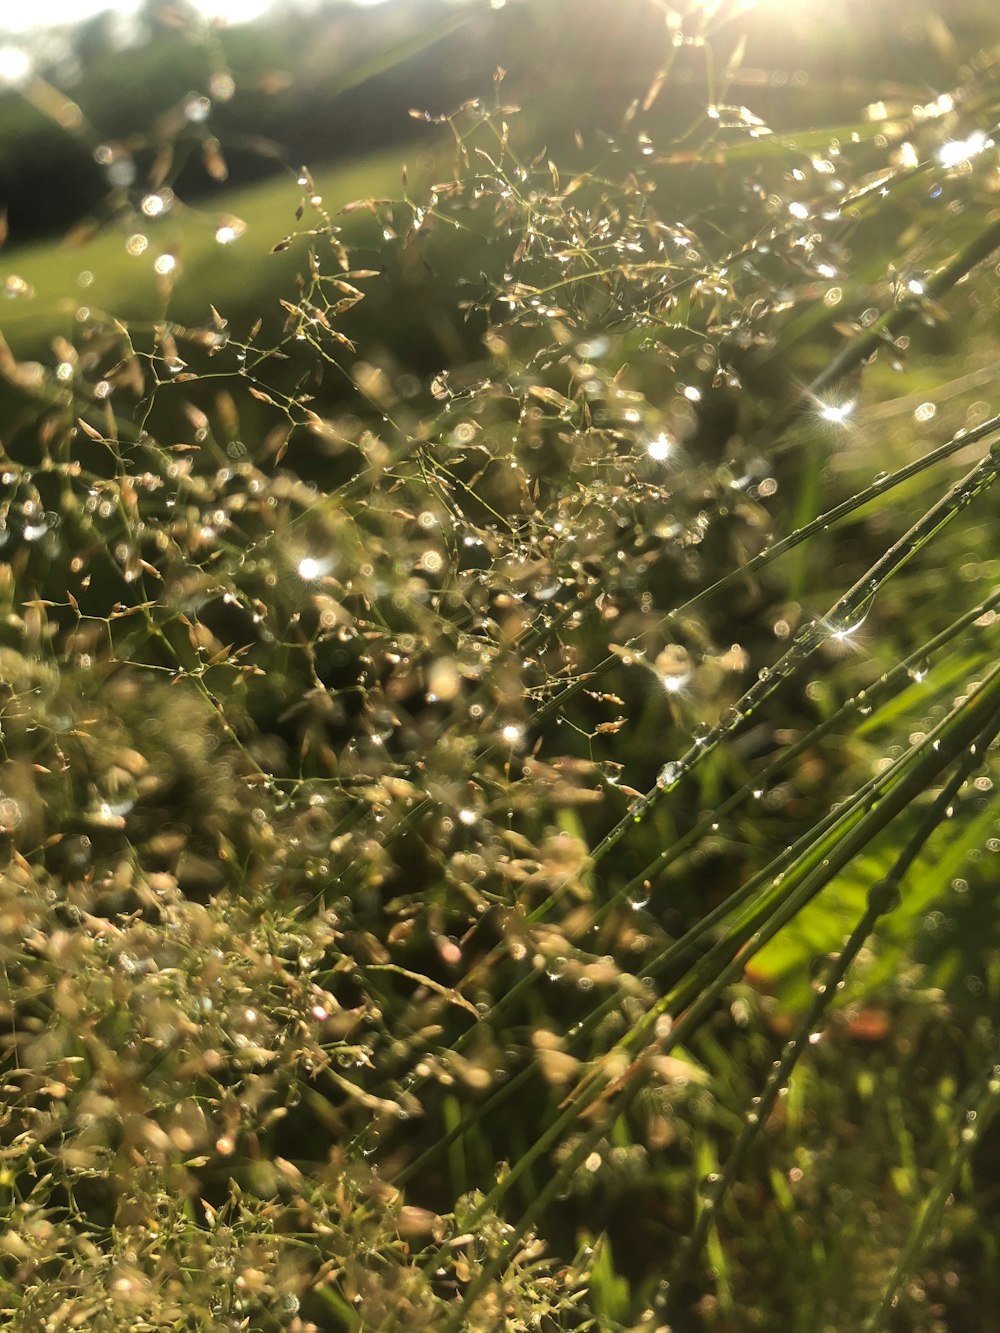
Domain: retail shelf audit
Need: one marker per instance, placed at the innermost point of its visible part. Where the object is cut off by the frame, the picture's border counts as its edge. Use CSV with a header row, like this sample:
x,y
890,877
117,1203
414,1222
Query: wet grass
x,y
238,274
498,806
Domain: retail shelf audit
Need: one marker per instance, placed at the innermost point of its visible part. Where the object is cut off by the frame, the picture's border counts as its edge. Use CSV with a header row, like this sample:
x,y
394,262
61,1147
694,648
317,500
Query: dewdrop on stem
x,y
669,774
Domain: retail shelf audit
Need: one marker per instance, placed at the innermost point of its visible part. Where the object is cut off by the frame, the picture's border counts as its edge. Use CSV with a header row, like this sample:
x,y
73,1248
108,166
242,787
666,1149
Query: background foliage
x,y
500,685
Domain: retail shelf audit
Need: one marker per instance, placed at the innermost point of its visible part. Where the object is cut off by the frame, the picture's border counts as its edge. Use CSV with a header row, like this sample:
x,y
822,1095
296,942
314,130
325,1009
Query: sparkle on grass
x,y
845,634
660,448
230,230
511,733
836,413
310,568
674,684
15,67
957,151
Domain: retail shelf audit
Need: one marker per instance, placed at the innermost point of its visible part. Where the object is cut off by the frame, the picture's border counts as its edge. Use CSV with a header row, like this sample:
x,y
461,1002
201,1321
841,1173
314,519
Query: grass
x,y
239,275
500,833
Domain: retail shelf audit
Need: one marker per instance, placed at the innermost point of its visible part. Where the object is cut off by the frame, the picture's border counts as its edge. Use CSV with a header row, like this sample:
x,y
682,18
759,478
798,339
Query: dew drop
x,y
639,898
709,1186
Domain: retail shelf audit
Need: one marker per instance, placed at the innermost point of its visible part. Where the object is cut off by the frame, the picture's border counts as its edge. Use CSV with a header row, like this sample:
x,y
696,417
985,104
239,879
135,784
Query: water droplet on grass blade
x,y
709,1187
638,898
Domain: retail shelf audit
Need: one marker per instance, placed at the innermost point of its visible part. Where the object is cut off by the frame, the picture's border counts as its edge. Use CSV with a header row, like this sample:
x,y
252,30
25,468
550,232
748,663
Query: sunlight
x,y
835,413
955,152
59,13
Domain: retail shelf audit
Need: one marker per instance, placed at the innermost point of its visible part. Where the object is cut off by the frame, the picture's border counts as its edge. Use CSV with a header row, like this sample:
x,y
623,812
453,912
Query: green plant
x,y
460,871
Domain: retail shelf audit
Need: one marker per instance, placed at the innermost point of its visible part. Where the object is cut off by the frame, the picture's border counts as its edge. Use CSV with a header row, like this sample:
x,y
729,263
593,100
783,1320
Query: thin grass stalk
x,y
882,898
536,635
914,774
697,993
855,353
981,1105
771,553
866,699
939,749
863,346
679,949
845,614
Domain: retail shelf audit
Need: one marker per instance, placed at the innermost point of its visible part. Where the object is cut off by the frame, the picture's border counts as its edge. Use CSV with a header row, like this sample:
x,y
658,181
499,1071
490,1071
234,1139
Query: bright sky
x,y
48,13
18,18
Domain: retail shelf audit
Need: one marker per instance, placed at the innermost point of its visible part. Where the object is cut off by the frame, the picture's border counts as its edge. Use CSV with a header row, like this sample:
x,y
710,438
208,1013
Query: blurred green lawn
x,y
242,279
